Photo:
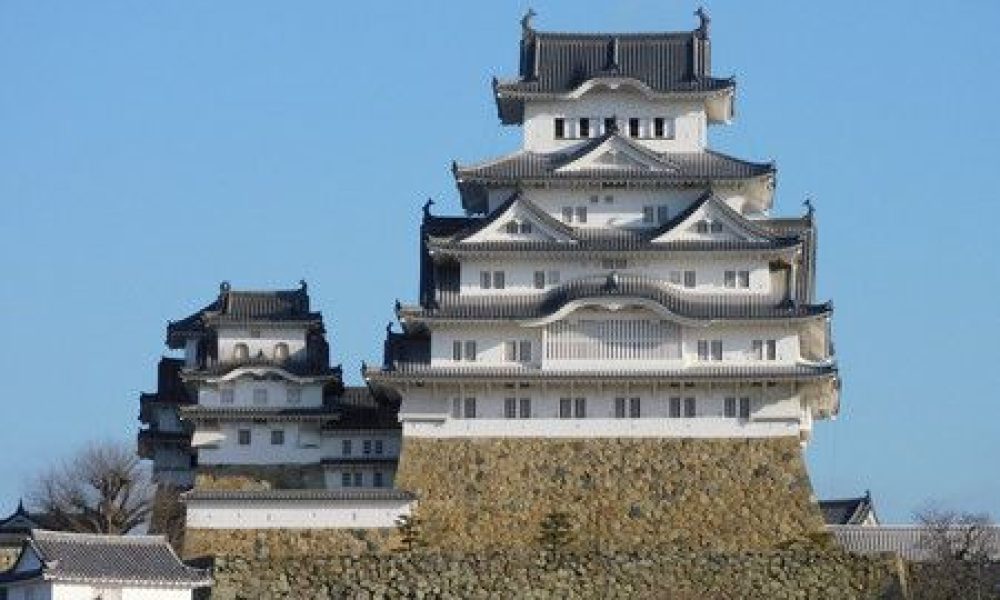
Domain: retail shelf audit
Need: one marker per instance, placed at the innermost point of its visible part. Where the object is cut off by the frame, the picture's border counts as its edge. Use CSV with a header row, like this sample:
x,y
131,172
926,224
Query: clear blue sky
x,y
149,150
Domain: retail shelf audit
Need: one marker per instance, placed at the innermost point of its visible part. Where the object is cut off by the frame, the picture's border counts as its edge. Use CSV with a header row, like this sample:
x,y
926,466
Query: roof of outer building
x,y
319,413
671,298
145,559
557,63
19,522
912,542
245,306
374,407
847,511
528,166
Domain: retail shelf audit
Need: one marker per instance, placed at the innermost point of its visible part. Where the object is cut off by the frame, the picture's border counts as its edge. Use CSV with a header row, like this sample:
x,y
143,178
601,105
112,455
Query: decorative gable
x,y
617,153
521,221
712,219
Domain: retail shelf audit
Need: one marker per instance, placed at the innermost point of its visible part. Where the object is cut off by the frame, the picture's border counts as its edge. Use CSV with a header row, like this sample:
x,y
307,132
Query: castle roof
x,y
847,511
140,559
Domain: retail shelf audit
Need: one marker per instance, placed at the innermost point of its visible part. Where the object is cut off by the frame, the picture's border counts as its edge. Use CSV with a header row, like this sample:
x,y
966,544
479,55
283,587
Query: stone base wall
x,y
286,544
779,575
261,477
621,493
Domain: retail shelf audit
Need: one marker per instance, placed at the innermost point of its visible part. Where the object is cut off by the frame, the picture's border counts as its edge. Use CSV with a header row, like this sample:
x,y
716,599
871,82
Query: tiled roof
x,y
346,495
245,306
142,559
410,371
360,461
200,413
367,408
527,166
909,541
307,369
19,522
846,511
671,298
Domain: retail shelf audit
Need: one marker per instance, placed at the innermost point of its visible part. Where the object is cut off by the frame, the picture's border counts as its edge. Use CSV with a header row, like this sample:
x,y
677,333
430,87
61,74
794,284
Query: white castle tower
x,y
615,277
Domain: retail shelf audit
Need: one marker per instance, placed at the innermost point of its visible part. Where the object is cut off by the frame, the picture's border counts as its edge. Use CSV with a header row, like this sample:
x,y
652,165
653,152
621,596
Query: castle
x,y
617,328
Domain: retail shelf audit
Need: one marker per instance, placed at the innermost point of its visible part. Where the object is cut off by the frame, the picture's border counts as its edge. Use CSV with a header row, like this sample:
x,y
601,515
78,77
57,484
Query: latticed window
x,y
580,408
565,408
243,437
620,408
612,339
690,279
281,352
512,227
241,352
524,408
470,408
675,407
539,280
690,408
634,408
510,408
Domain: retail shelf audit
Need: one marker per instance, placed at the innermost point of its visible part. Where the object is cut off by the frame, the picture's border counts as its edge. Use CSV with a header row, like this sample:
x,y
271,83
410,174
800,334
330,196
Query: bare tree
x,y
104,488
961,551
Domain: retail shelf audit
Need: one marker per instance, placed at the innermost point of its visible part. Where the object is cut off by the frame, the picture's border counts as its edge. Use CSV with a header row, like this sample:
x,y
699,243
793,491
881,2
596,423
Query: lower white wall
x,y
49,590
295,514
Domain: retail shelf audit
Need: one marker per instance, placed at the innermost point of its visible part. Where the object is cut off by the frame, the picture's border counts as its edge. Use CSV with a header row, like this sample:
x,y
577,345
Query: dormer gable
x,y
519,219
711,219
618,153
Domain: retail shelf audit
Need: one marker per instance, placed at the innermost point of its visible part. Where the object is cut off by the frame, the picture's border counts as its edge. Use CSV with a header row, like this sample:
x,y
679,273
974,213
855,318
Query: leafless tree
x,y
103,488
961,551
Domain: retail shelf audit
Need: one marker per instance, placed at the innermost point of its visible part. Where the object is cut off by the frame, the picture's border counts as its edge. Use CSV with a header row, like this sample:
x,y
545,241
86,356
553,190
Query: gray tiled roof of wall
x,y
684,374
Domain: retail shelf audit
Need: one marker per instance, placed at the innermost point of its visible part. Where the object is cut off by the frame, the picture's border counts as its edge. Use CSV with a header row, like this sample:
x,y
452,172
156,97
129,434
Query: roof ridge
x,y
98,537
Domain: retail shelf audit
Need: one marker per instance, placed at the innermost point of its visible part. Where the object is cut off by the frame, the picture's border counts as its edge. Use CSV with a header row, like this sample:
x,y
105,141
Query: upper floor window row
x,y
518,227
280,353
706,226
635,127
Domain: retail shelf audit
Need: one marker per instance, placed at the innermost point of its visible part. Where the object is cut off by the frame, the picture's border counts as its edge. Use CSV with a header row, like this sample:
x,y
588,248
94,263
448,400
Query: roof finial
x,y
20,508
808,203
224,287
427,207
526,28
303,285
705,21
399,306
388,328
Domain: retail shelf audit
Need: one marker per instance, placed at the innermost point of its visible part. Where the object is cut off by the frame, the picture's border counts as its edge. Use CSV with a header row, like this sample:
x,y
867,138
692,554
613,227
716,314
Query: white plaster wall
x,y
270,514
79,591
334,476
688,116
295,337
519,274
302,445
624,210
150,593
570,428
277,393
333,443
736,343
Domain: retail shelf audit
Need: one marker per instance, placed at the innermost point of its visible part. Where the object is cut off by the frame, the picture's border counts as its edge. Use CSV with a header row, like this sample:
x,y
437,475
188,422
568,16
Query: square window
x,y
647,214
634,408
594,198
293,395
565,408
511,227
553,277
524,408
278,437
560,128
243,437
470,408
539,280
510,408
345,447
609,199
470,350
675,277
690,408
675,407
620,408
581,214
525,227
580,408
358,479
715,227
567,214
485,280
499,280
456,350
701,226
584,127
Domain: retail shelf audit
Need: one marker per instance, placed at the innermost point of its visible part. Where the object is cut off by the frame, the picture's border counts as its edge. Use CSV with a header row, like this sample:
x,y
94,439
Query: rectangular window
x,y
470,408
278,437
499,280
510,408
243,437
524,408
511,227
359,479
690,408
594,198
456,408
744,279
584,127
675,277
633,127
634,408
581,214
525,227
346,447
757,350
560,127
565,408
647,214
701,226
226,396
539,280
614,263
470,350
772,349
675,407
580,408
745,407
703,350
260,396
730,409
658,127
366,447
293,395
609,199
729,279
620,408
345,479
510,351
525,351
567,214
716,349
485,280
379,447
609,124
378,479
690,279
553,277
456,350
662,213
715,227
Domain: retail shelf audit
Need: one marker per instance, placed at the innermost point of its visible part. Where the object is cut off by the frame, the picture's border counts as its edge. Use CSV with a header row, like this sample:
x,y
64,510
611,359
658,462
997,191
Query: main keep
x,y
618,328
